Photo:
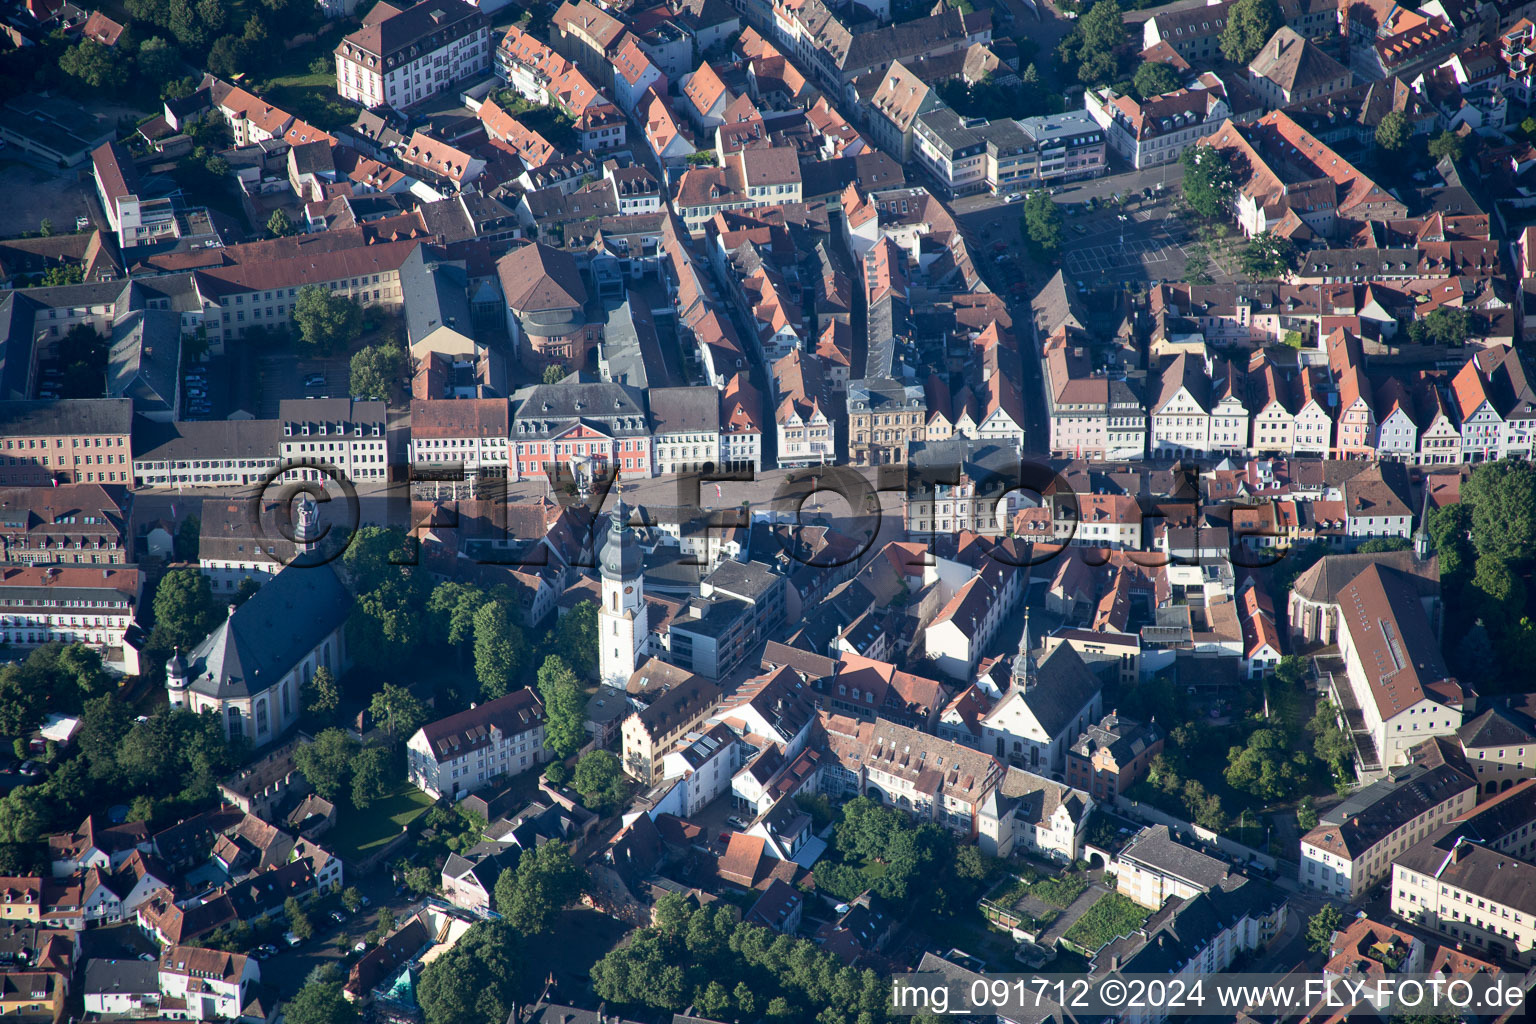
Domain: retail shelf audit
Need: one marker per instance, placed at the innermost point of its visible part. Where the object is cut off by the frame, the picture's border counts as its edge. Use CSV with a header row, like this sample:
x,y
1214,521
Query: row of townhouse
x,y
583,422
540,75
1484,411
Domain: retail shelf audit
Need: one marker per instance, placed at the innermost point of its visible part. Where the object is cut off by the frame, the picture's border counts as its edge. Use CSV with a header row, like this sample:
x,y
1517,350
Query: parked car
x,y
33,770
338,917
292,939
314,380
736,823
1014,197
360,947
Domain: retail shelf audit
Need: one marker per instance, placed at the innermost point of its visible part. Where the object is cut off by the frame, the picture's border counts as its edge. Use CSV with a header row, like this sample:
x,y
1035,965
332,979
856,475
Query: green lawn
x,y
359,833
1113,916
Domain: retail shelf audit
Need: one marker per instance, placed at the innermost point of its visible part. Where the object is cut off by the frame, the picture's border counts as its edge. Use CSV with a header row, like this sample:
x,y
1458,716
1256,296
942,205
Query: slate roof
x,y
456,735
255,647
1063,686
1155,848
129,977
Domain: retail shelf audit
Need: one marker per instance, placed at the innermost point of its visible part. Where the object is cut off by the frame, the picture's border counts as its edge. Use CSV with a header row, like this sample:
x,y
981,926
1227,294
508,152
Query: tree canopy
x,y
1250,23
1268,255
1094,43
735,970
600,781
1208,182
327,763
1154,78
185,611
1043,224
1393,131
375,368
327,323
564,707
1446,145
545,881
476,979
499,649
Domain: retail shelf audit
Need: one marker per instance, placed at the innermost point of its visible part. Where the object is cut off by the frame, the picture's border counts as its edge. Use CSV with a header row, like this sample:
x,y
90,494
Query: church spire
x,y
1023,667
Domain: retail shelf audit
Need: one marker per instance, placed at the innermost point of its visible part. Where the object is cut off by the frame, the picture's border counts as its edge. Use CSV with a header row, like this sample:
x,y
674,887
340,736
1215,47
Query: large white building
x,y
405,54
350,436
252,668
1354,845
457,755
1394,671
94,606
211,982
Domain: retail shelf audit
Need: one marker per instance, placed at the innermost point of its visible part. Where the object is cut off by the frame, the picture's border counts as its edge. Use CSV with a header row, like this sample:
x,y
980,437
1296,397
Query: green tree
x,y
1093,44
322,697
1250,23
1497,593
185,610
1330,742
188,539
1502,496
94,65
556,773
576,639
474,981
158,61
327,763
1392,131
1261,768
1443,326
373,777
1292,670
1208,184
351,899
375,368
1450,532
298,920
499,649
1446,145
1043,223
245,591
320,1002
1154,78
1321,926
224,56
452,607
1306,815
421,880
327,323
279,226
398,710
22,702
1268,255
565,727
600,780
545,881
57,277
554,373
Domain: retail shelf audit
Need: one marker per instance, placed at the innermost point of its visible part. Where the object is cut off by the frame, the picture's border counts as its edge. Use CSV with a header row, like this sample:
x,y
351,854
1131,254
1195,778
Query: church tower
x,y
622,622
1023,666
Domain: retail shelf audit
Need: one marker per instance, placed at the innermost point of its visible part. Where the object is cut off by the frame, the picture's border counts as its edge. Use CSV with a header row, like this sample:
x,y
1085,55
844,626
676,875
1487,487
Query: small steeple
x,y
1023,667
